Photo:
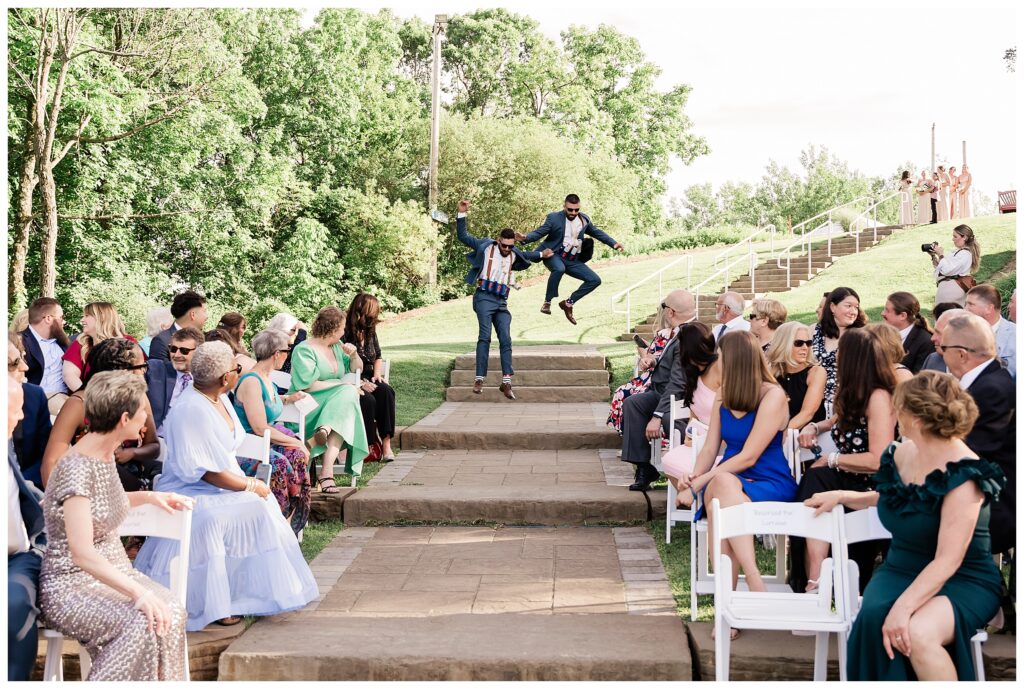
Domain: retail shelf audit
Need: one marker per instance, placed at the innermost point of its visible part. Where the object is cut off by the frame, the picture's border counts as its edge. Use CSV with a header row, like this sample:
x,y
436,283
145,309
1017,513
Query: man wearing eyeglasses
x,y
168,379
563,233
969,349
492,263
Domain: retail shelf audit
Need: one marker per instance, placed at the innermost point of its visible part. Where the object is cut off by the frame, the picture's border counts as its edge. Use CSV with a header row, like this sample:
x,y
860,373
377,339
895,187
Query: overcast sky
x,y
866,82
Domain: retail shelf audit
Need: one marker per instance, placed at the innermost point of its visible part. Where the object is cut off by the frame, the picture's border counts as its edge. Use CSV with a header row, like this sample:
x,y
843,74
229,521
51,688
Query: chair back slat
x,y
776,518
152,521
255,447
281,379
864,525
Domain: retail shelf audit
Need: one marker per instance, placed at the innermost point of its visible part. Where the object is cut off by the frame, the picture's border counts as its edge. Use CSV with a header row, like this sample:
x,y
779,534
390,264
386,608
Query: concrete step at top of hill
x,y
534,378
541,357
550,394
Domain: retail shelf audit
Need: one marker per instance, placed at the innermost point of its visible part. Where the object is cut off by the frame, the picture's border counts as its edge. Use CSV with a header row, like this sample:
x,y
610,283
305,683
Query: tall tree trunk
x,y
17,295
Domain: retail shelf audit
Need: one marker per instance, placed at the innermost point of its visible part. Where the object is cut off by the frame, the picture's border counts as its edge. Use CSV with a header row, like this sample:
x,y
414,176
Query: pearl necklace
x,y
214,401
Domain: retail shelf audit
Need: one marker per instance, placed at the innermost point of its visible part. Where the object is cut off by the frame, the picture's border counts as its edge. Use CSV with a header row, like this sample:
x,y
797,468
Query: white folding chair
x,y
780,611
281,379
385,370
677,411
256,447
674,514
864,525
144,520
791,448
296,412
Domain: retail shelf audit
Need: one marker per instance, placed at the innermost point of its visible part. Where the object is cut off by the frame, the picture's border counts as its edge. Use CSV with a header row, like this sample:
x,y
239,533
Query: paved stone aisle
x,y
568,602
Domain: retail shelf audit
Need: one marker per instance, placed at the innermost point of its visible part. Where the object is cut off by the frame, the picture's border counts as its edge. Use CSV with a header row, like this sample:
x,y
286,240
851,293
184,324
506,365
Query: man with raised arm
x,y
563,233
491,265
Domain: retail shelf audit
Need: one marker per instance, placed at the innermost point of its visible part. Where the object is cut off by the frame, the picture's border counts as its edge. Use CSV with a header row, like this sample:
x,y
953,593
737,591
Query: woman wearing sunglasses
x,y
794,366
137,460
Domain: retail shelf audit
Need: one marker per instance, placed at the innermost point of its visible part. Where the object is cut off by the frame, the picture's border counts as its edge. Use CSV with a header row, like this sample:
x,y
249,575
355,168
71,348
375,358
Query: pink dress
x,y
924,205
678,462
942,211
964,195
906,203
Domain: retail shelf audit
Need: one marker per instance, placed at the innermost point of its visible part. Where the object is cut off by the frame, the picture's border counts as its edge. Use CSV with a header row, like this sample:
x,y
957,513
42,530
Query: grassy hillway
x,y
422,347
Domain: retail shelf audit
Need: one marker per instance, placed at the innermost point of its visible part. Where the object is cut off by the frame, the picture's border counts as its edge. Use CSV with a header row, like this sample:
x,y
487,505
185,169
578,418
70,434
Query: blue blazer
x,y
158,347
29,500
32,432
160,379
553,231
33,357
480,245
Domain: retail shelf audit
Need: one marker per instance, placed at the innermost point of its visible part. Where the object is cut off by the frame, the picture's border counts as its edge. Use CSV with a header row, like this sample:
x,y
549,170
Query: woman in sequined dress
x,y
133,628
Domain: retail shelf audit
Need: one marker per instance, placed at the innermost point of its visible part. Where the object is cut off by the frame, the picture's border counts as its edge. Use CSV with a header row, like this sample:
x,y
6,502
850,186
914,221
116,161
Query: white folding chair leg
x,y
842,639
670,505
821,656
722,649
976,651
84,662
53,669
693,573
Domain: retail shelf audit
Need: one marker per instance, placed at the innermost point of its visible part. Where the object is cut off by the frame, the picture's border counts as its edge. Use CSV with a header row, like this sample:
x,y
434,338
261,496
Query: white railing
x,y
725,274
808,237
660,273
871,221
747,242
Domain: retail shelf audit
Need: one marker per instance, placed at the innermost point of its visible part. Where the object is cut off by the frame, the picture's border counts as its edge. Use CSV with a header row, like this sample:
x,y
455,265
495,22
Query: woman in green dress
x,y
319,367
938,584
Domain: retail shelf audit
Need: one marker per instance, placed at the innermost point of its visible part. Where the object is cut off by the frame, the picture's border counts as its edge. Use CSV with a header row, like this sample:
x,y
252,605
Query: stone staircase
x,y
769,278
542,374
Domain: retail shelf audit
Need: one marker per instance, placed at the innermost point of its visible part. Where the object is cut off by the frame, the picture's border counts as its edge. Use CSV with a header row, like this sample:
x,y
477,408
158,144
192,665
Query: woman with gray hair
x,y
295,331
158,319
258,406
244,558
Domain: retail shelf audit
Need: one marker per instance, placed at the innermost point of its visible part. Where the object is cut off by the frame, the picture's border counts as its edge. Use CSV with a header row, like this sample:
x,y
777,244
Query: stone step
x,y
418,438
558,393
321,646
562,358
553,504
534,378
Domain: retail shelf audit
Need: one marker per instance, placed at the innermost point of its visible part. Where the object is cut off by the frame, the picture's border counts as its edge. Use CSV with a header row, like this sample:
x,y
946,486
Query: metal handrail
x,y
661,290
748,240
873,209
750,257
829,213
806,238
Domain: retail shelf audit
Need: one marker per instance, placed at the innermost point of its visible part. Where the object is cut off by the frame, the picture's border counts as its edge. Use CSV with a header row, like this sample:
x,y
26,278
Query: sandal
x,y
812,586
229,621
320,437
389,457
331,488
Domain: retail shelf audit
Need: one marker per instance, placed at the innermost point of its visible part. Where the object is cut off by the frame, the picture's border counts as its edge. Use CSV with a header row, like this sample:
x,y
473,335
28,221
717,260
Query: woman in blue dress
x,y
244,558
938,584
751,415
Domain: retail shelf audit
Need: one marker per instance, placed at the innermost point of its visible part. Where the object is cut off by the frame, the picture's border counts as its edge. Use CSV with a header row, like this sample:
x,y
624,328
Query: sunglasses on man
x,y
185,351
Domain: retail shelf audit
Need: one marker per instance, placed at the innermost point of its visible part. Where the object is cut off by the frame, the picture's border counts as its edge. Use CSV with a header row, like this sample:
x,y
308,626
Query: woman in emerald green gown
x,y
938,584
319,367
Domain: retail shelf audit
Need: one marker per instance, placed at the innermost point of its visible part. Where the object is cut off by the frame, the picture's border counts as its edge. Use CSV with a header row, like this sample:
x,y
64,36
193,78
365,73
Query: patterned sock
x,y
506,379
480,378
568,302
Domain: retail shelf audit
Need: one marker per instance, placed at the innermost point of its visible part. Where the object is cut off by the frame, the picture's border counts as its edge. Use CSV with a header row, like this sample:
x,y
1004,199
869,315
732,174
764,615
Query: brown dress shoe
x,y
546,308
506,390
478,386
568,311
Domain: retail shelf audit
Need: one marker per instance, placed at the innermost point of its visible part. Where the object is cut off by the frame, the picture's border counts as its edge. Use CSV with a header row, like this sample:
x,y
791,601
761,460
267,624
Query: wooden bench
x,y
1008,201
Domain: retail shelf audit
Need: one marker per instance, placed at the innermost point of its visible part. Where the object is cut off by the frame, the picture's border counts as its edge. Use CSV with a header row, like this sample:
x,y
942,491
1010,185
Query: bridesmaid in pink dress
x,y
954,197
906,199
924,199
703,375
964,193
943,205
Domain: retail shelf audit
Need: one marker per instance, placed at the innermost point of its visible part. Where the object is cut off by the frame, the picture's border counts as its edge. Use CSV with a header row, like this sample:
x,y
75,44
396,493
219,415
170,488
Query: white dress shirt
x,y
968,378
53,364
905,333
572,240
738,323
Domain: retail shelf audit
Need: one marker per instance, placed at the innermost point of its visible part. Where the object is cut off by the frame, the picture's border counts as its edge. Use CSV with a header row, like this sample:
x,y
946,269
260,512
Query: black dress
x,y
378,406
795,385
821,479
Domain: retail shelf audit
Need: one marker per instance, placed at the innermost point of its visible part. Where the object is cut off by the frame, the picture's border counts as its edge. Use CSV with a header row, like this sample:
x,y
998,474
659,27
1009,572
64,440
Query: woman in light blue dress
x,y
244,559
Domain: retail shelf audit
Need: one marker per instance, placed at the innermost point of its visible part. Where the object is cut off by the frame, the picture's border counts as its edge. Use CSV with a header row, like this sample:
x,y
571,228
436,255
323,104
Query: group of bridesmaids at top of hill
x,y
941,195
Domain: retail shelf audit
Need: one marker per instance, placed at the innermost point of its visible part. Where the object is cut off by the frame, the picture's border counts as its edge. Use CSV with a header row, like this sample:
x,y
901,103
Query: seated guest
x,y
985,301
753,468
766,315
969,349
99,322
934,362
319,367
862,427
821,305
244,559
19,322
258,406
44,343
234,323
842,312
137,462
33,431
796,370
892,348
378,399
729,312
645,415
26,542
158,319
189,311
242,357
903,312
168,379
132,627
938,584
291,327
663,334
702,375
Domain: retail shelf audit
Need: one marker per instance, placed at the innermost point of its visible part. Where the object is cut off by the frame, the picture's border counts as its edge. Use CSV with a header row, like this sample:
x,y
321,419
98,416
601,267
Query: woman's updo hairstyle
x,y
937,401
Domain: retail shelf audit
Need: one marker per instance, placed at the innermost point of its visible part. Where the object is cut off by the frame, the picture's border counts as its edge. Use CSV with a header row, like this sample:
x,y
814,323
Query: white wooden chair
x,y
257,447
144,520
674,514
385,370
296,412
780,611
677,411
281,379
864,525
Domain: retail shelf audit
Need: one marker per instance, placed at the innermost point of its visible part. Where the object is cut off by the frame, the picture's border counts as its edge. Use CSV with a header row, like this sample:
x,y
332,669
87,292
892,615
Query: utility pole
x,y
440,25
964,153
932,168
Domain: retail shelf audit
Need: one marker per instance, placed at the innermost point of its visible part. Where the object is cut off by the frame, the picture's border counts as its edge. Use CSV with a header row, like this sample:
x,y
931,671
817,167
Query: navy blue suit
x,y
32,433
23,581
553,231
160,379
158,346
491,309
33,357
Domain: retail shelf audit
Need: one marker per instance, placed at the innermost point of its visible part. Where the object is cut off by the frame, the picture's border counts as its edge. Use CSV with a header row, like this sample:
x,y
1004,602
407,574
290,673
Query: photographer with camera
x,y
953,273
